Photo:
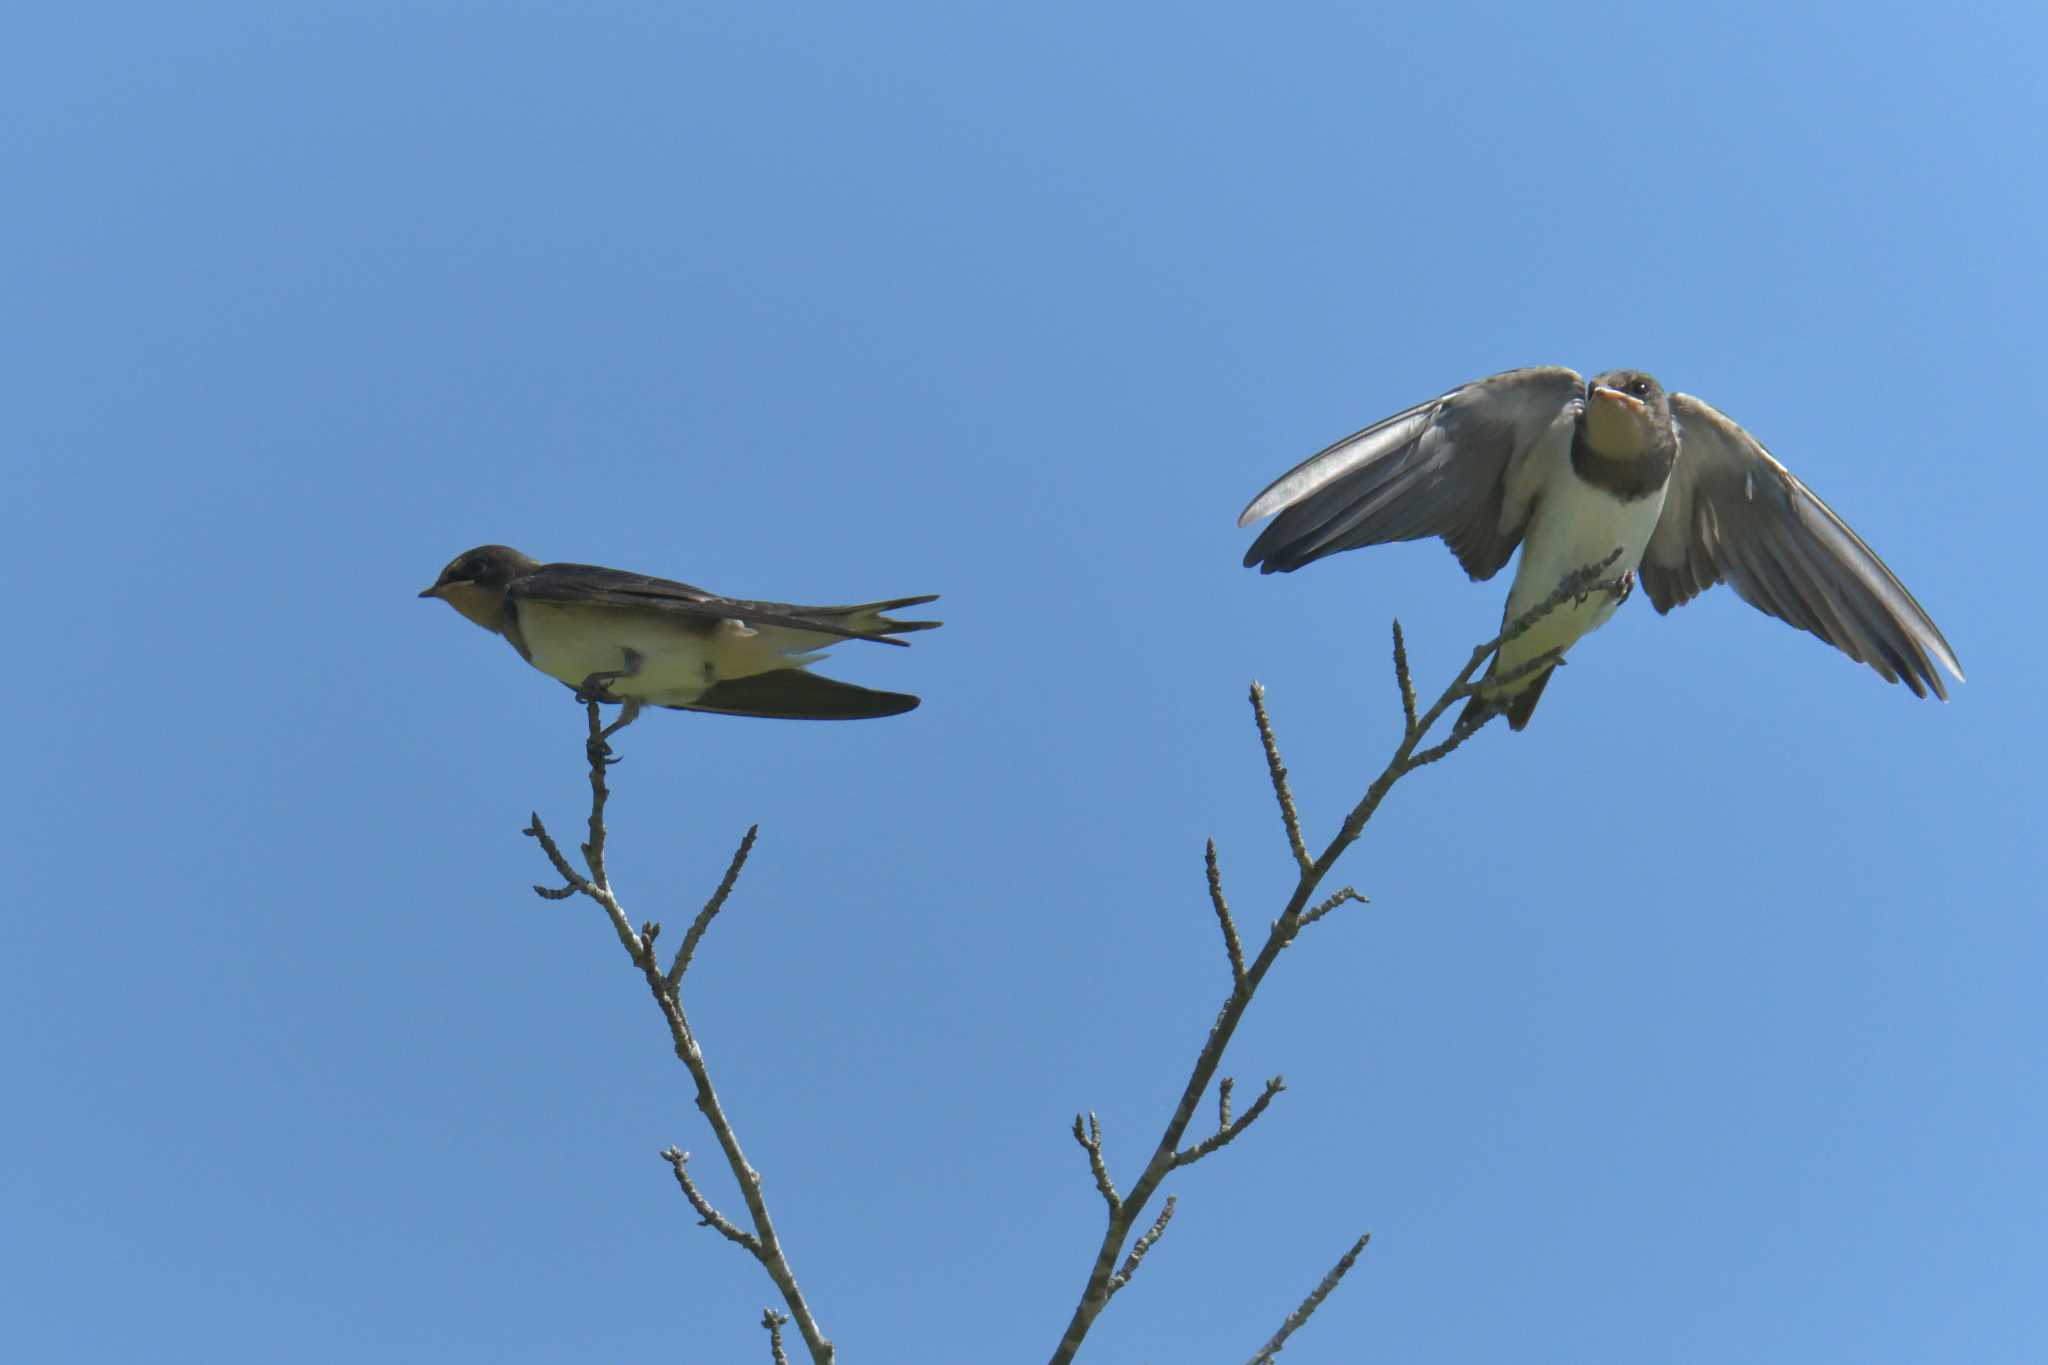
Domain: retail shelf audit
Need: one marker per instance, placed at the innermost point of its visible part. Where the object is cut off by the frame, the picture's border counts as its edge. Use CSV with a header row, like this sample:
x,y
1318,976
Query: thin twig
x,y
1091,1142
1577,585
708,1216
1228,1132
1144,1244
1277,771
1335,899
775,1322
710,910
1404,680
572,880
1310,1304
593,851
1231,946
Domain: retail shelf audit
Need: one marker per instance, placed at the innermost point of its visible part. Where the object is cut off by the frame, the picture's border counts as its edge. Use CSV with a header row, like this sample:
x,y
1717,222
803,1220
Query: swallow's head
x,y
474,582
1627,415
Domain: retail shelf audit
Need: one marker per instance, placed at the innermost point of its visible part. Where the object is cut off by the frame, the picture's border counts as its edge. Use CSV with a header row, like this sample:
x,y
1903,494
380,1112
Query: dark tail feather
x,y
893,603
866,621
793,694
1518,707
1523,704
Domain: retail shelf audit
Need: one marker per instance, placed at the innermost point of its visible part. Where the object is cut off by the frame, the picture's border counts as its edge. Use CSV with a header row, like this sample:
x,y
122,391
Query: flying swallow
x,y
624,637
1574,471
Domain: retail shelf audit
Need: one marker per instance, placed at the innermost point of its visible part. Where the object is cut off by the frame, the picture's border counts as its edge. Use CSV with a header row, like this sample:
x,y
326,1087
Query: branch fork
x,y
1303,909
758,1240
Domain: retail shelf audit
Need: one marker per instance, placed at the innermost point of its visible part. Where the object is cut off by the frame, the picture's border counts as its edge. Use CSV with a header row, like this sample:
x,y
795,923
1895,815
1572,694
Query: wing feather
x,y
1734,514
594,585
793,694
1442,468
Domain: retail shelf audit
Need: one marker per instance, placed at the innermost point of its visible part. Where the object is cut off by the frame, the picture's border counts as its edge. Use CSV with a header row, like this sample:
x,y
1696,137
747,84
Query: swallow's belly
x,y
665,660
1575,526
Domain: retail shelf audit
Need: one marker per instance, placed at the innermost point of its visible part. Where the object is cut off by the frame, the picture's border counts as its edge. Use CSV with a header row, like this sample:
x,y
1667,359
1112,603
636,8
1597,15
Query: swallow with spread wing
x,y
1573,471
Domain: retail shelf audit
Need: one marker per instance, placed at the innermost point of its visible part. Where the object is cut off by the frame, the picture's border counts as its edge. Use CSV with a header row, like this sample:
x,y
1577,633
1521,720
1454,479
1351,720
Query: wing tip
x,y
797,694
898,703
1274,560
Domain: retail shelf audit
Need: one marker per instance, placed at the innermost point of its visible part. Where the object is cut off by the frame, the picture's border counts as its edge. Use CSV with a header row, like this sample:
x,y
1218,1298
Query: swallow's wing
x,y
793,694
592,585
1733,513
1446,468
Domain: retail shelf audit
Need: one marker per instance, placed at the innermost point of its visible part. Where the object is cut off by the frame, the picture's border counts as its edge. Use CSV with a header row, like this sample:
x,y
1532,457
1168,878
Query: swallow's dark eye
x,y
1638,387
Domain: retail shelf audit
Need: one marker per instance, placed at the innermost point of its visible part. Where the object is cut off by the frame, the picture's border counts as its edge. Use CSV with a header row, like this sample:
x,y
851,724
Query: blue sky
x,y
1701,1021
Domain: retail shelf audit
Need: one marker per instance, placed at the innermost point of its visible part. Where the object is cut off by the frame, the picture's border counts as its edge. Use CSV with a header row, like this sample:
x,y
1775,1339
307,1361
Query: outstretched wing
x,y
590,584
1734,514
1446,468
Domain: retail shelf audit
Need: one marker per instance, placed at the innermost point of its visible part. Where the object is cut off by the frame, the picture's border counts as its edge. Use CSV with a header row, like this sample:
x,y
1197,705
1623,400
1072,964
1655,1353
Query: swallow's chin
x,y
1617,426
485,606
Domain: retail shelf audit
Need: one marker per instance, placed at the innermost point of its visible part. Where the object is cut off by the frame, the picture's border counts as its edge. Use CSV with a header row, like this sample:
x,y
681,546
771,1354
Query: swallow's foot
x,y
599,747
1617,588
598,686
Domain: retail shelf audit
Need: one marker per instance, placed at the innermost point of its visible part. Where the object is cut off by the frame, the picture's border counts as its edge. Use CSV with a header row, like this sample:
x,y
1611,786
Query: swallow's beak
x,y
1603,394
438,590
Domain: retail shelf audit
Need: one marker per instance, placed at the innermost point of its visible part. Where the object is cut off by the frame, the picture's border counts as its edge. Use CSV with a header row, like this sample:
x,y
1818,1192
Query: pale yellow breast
x,y
676,660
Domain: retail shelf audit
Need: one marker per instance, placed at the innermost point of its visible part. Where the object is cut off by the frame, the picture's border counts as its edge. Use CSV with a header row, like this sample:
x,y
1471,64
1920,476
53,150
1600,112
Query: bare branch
x,y
710,1217
761,1242
1404,681
774,1322
599,755
1310,1304
1091,1142
1336,899
1548,659
1144,1244
1223,1089
1228,1132
1458,736
1302,909
710,910
571,879
1231,945
1574,586
1277,770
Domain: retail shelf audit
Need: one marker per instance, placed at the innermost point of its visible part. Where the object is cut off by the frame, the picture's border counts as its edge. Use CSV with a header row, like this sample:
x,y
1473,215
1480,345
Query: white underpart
x,y
676,663
1574,525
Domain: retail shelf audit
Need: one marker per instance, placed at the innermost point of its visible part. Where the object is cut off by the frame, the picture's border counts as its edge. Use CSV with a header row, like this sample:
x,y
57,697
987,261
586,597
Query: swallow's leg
x,y
1583,583
600,749
598,686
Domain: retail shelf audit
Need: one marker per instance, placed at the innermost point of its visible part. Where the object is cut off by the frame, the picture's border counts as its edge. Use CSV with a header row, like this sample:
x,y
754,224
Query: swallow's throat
x,y
485,606
1617,427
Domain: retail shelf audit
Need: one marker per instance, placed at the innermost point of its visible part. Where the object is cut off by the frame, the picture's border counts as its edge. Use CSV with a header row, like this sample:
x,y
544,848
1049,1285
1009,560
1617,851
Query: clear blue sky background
x,y
1702,1022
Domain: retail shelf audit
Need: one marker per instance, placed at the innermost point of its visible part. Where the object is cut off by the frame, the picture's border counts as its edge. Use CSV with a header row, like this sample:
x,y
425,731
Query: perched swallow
x,y
624,637
1574,471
